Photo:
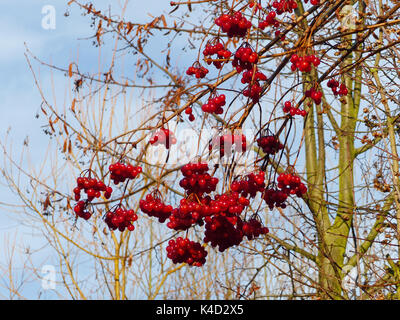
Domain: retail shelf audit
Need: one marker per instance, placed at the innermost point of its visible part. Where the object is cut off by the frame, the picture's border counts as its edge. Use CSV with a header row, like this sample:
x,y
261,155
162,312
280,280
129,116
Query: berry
x,y
235,25
334,84
81,211
288,108
120,172
214,105
120,219
196,179
92,187
186,251
197,70
223,232
282,6
245,58
215,47
253,228
250,184
315,95
153,206
304,64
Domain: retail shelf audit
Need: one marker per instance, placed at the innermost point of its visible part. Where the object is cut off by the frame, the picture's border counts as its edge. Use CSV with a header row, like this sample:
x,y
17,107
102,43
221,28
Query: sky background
x,y
21,25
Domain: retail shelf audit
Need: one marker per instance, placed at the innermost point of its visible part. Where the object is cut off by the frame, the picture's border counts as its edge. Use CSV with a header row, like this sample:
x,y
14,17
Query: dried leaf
x,y
129,28
164,21
65,129
69,204
46,203
139,44
73,106
70,70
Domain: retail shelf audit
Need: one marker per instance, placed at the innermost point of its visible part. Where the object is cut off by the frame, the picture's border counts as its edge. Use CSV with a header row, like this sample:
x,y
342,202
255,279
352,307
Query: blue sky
x,y
20,23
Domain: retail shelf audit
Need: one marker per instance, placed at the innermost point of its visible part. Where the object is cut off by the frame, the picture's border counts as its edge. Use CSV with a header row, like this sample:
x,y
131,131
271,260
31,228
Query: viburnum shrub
x,y
264,129
226,210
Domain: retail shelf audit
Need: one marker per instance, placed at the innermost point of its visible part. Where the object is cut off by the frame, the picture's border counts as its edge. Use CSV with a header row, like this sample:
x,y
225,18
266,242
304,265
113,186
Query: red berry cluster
x,y
196,179
121,219
291,184
250,184
153,206
188,214
253,228
275,198
282,6
92,188
186,251
189,112
270,20
163,136
334,84
197,70
226,142
214,105
222,232
230,205
244,58
270,144
304,63
80,210
288,108
120,172
257,5
253,91
313,2
247,76
217,48
314,94
235,25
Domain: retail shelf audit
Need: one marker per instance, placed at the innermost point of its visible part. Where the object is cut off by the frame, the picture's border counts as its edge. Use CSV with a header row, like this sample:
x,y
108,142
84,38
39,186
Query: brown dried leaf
x,y
129,28
139,44
73,106
46,202
164,21
78,137
70,70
